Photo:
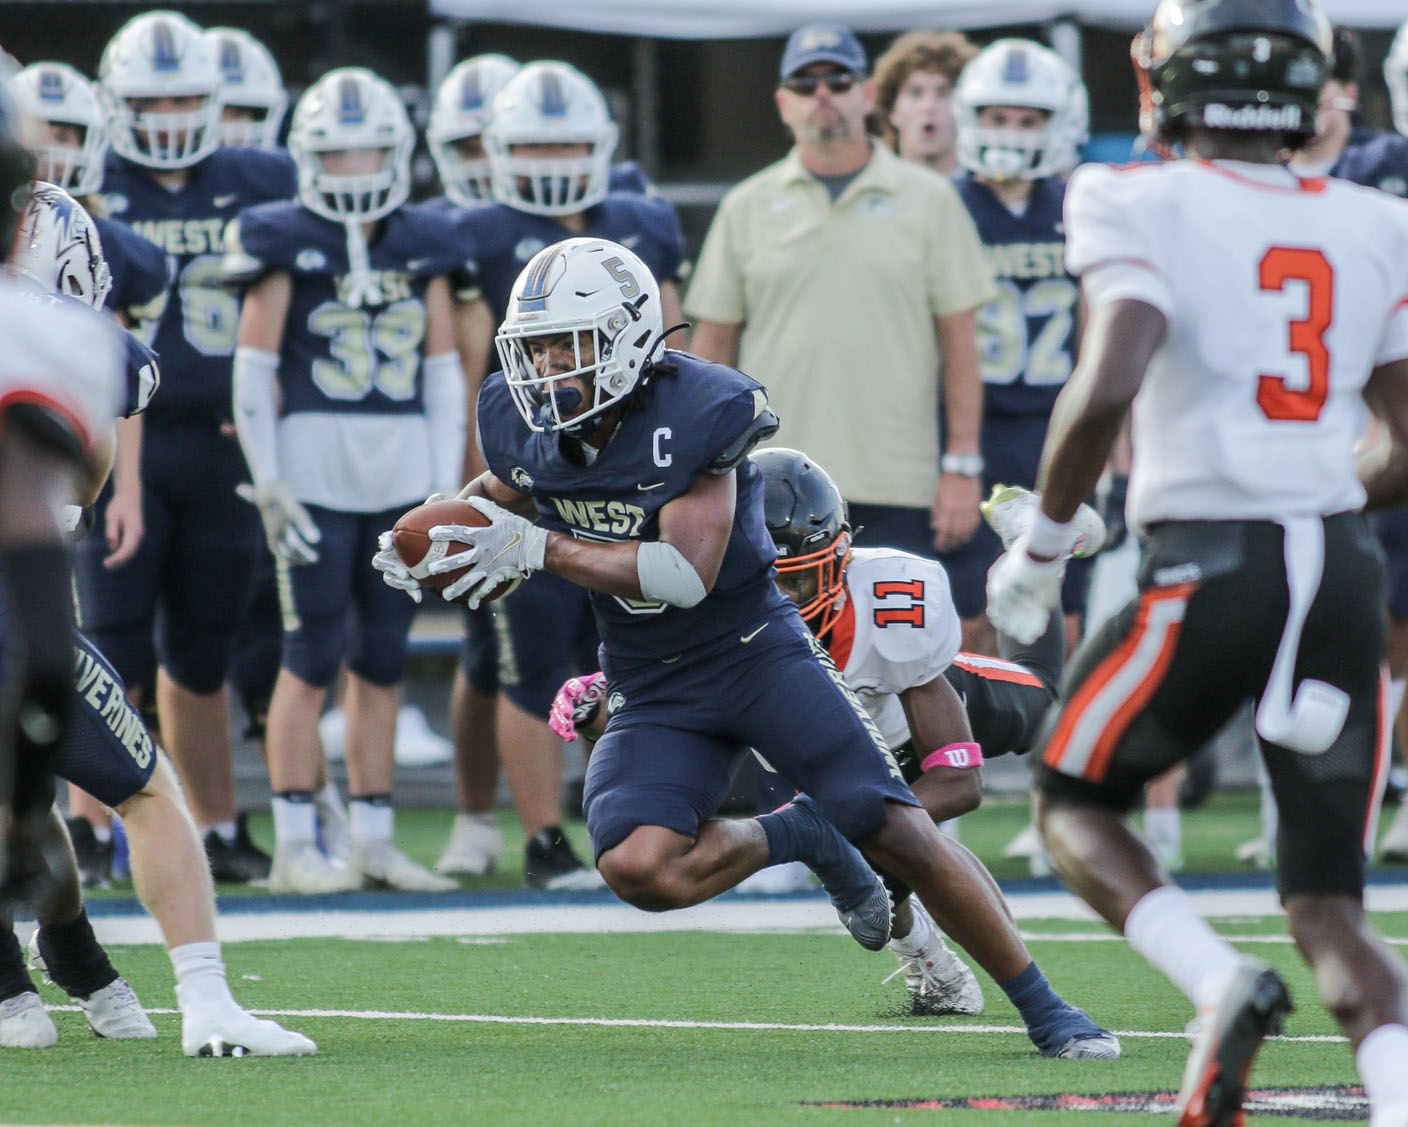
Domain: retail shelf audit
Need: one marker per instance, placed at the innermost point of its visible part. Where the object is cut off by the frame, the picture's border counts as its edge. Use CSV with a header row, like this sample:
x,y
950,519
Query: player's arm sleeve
x,y
916,635
1107,244
747,420
716,286
446,400
669,264
256,375
150,272
959,277
143,375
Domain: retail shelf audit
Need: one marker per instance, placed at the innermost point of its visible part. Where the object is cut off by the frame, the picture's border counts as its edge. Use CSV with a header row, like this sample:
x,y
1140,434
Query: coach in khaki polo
x,y
837,277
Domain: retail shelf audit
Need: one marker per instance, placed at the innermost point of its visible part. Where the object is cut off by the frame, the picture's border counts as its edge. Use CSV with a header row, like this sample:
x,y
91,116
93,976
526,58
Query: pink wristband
x,y
954,755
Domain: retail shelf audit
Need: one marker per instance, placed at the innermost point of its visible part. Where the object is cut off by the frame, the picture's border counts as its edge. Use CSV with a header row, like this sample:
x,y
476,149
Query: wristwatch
x,y
964,465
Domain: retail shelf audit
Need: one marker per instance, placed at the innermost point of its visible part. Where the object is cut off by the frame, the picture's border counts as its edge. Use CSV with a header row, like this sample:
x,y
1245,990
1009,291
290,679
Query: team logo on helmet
x,y
231,62
165,57
553,101
351,109
51,86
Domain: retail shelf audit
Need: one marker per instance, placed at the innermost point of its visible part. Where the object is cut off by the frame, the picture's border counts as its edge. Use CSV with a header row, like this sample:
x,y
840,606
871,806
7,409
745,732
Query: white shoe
x,y
1025,844
1394,844
236,1033
115,1012
777,880
26,1024
332,733
417,743
939,981
302,867
380,862
1257,852
1010,508
474,846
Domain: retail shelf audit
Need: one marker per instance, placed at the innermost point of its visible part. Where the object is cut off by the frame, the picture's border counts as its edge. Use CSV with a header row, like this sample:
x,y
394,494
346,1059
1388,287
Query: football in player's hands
x,y
411,538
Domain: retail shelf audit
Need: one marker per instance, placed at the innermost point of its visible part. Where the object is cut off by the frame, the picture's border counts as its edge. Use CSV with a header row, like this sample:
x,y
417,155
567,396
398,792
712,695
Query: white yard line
x,y
675,1023
734,914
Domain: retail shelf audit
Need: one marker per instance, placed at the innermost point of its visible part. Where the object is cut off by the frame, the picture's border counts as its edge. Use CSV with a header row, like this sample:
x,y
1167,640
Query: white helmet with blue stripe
x,y
550,103
609,301
252,83
56,94
461,112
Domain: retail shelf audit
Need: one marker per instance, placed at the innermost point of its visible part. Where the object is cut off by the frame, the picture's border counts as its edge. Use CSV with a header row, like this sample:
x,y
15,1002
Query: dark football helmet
x,y
806,518
1245,65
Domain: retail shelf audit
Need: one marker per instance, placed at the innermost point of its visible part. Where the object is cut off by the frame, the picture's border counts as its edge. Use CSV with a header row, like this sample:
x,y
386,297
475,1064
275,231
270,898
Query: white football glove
x,y
509,547
1022,591
288,528
394,573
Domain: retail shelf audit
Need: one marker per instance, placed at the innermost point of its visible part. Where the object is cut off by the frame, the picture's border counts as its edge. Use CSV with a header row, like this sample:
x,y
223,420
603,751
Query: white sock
x,y
1164,928
328,796
200,973
487,819
1382,1060
294,822
1162,824
370,821
921,936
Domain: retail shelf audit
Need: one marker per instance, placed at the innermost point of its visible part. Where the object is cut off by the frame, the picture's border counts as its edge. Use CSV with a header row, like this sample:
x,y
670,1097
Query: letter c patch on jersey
x,y
661,458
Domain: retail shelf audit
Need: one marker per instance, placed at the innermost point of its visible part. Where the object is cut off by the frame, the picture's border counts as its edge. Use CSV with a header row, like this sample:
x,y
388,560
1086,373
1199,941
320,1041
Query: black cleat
x,y
858,894
1251,1010
236,862
549,862
94,857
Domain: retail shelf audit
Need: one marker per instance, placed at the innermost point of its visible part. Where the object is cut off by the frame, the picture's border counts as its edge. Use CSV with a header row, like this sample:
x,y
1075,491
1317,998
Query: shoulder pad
x,y
764,425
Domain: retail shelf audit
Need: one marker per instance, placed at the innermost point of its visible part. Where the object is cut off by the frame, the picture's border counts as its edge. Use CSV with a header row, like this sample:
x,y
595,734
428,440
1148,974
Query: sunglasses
x,y
806,84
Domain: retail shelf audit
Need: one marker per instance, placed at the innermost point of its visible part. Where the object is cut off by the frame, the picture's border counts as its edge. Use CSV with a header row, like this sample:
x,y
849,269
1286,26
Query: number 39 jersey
x,y
352,430
1026,335
899,629
1281,295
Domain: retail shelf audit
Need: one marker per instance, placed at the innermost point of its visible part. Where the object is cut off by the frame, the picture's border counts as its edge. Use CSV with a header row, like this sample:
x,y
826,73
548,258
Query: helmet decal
x,y
165,57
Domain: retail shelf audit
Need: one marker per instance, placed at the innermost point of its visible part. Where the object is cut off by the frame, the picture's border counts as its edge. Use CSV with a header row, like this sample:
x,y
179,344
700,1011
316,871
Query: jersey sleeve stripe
x,y
1097,717
46,399
990,669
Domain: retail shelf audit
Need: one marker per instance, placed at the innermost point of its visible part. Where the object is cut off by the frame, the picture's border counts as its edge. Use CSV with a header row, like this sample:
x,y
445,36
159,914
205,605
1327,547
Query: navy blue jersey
x,y
345,351
628,176
504,239
196,335
692,414
140,272
1026,335
1376,159
143,375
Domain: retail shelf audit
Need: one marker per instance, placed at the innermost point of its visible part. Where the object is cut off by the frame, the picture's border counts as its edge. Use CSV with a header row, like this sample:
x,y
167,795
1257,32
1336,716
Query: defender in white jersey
x,y
1247,315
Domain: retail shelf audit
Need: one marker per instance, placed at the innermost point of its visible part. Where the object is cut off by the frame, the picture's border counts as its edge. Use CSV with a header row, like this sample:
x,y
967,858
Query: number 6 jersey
x,y
1281,296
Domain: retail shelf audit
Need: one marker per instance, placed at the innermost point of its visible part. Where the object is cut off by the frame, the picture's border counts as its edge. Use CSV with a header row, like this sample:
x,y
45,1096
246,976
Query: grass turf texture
x,y
406,1069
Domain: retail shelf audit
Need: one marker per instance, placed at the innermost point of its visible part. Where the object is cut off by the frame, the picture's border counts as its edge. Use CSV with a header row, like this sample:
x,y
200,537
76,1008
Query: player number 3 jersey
x,y
1281,296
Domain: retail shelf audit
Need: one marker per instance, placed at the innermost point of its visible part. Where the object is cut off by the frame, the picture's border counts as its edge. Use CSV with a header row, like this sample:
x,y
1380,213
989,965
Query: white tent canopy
x,y
739,19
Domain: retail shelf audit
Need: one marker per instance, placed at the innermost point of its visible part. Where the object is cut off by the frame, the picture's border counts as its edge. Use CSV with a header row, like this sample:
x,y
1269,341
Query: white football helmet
x,y
461,110
581,286
351,109
550,103
1019,72
161,55
1396,76
251,82
58,247
56,93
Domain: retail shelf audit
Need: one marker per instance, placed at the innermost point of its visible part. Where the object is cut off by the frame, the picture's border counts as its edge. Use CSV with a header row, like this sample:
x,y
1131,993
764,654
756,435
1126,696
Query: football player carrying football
x,y
1245,330
634,460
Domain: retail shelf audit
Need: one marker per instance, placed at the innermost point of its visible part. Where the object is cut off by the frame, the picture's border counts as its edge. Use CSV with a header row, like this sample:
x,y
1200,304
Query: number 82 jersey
x,y
1281,295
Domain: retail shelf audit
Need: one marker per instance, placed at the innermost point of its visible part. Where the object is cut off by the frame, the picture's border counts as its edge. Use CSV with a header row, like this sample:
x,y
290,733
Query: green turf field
x,y
387,1059
688,1028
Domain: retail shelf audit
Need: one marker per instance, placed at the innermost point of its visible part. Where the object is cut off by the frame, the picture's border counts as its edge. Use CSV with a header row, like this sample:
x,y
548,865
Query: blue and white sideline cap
x,y
823,43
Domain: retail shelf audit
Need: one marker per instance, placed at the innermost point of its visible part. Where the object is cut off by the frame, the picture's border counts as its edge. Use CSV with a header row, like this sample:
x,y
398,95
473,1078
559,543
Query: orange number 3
x,y
1307,336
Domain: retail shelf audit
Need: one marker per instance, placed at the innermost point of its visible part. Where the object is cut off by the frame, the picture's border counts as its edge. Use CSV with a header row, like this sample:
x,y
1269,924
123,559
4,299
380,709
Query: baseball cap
x,y
823,43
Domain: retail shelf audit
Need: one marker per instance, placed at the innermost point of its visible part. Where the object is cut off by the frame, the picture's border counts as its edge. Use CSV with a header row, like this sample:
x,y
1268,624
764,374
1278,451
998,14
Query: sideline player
x,y
549,140
350,405
167,176
1246,328
1022,116
637,467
